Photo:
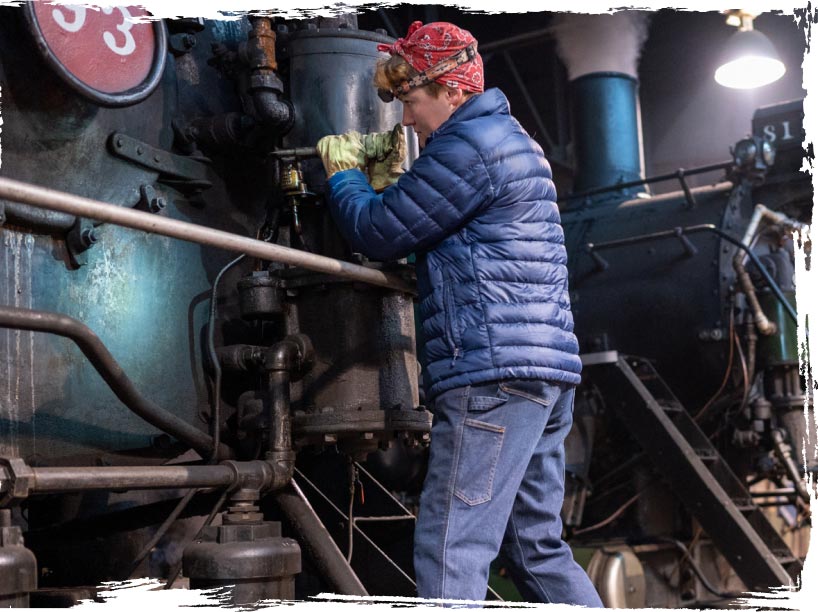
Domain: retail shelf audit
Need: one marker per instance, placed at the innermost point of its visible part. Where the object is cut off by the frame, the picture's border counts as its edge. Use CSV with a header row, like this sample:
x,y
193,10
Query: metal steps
x,y
703,480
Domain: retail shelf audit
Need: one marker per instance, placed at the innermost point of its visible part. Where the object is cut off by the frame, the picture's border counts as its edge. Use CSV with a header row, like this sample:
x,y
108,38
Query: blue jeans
x,y
495,485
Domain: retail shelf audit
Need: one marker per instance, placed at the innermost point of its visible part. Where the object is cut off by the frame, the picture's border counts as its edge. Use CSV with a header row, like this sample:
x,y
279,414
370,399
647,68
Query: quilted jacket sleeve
x,y
447,185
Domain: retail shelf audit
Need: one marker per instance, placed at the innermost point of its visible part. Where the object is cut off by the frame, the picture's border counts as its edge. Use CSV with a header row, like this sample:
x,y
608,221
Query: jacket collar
x,y
490,102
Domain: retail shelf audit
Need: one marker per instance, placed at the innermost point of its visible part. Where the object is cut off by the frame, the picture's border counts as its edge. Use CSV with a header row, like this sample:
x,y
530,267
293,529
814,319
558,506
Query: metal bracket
x,y
81,237
186,173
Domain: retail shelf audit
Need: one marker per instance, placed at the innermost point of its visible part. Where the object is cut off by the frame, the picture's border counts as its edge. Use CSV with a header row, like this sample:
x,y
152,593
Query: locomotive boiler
x,y
685,312
201,383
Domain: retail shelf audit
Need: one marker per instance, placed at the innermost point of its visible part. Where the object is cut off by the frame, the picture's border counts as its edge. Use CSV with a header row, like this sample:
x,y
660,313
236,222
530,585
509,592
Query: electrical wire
x,y
697,570
215,412
611,518
744,372
696,536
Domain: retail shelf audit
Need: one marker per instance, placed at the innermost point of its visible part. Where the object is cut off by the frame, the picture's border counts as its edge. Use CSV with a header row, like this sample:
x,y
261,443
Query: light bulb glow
x,y
749,72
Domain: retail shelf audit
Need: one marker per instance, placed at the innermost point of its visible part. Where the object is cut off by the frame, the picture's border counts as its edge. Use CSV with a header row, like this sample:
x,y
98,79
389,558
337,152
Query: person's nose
x,y
408,120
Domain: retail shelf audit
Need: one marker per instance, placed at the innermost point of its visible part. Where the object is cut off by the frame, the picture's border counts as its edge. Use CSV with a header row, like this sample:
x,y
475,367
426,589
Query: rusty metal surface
x,y
145,297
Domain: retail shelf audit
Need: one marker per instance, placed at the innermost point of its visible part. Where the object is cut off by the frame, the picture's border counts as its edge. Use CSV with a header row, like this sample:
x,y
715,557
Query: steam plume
x,y
597,43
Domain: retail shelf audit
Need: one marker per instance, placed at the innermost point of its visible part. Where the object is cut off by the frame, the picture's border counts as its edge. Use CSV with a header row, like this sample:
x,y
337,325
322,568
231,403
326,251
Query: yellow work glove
x,y
343,152
384,152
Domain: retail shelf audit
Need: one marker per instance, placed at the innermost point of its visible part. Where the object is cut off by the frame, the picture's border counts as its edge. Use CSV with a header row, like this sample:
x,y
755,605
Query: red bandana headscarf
x,y
428,45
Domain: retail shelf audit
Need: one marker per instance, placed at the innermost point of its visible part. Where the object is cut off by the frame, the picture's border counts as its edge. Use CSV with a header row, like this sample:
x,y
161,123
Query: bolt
x,y
120,142
139,150
188,41
156,204
88,236
156,158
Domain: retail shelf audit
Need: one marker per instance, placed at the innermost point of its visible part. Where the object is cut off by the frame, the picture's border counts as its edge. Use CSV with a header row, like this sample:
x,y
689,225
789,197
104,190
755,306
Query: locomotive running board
x,y
701,477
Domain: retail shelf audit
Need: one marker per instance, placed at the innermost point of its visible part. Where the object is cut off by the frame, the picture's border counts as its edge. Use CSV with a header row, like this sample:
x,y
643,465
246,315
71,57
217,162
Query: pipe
x,y
592,248
534,36
764,325
279,454
607,124
284,361
18,480
111,372
91,478
51,199
265,86
647,181
278,386
760,213
784,453
296,152
317,541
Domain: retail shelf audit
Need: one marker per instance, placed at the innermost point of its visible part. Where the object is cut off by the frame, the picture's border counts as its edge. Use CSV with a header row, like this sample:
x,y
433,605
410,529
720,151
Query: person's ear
x,y
454,97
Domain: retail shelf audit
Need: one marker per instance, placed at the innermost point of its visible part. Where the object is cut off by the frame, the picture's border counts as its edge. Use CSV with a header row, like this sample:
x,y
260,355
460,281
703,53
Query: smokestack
x,y
601,53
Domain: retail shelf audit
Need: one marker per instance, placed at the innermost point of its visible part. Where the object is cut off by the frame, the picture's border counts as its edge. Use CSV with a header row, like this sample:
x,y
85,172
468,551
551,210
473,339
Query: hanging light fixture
x,y
749,59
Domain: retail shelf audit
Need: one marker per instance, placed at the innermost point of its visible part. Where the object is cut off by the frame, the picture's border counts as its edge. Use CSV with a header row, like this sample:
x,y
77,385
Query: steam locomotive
x,y
229,398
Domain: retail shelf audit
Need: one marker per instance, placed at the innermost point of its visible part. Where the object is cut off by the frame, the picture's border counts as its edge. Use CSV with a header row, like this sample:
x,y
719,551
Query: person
x,y
478,209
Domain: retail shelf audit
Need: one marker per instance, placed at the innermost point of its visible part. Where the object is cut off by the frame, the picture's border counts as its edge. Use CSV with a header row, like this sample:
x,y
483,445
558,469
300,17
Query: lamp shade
x,y
749,60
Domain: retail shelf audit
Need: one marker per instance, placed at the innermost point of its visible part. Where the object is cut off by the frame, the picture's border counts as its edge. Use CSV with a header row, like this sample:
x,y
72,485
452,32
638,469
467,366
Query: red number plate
x,y
109,49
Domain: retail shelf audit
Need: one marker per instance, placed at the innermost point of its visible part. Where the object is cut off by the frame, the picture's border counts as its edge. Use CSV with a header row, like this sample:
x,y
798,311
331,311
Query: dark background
x,y
688,119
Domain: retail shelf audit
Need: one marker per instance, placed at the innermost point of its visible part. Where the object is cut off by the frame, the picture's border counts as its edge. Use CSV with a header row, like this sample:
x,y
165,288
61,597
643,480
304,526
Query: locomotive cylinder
x,y
365,343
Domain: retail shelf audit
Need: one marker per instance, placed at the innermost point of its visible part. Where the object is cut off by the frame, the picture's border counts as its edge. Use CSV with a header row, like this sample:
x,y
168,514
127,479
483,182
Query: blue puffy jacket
x,y
478,209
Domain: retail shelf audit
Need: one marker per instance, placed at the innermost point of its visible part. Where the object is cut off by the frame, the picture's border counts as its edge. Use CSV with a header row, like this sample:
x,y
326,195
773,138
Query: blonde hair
x,y
391,72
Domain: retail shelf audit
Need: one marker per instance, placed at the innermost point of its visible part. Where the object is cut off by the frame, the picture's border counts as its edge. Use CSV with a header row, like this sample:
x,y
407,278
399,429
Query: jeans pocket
x,y
483,398
536,391
479,451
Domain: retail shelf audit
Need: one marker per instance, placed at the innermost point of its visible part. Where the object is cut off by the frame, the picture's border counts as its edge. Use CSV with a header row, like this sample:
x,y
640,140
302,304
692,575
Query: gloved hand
x,y
385,152
343,152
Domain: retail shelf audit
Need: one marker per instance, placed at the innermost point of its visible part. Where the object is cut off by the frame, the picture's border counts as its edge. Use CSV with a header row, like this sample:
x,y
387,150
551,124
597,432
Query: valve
x,y
291,180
